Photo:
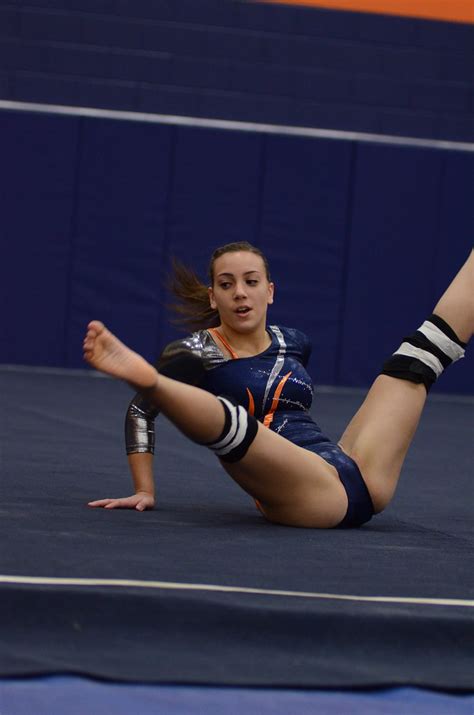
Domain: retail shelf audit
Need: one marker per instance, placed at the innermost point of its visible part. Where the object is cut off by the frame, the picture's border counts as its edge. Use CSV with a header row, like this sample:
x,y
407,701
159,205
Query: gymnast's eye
x,y
224,285
252,282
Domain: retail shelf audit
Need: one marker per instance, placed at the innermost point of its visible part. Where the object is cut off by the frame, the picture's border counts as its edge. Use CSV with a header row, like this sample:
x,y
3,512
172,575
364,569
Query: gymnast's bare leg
x,y
294,486
379,435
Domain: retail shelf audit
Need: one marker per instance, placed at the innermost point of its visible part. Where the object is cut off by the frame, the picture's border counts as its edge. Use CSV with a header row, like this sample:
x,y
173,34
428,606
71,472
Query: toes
x,y
96,326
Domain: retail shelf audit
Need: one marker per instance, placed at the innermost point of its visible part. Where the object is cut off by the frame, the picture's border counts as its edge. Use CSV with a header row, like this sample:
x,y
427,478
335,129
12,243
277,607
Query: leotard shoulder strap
x,y
224,342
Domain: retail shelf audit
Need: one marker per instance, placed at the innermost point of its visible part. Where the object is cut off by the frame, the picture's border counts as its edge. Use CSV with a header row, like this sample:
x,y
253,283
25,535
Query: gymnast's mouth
x,y
243,310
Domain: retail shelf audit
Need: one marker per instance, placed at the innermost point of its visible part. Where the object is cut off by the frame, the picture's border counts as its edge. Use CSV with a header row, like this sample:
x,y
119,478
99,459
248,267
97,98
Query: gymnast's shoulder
x,y
294,340
188,358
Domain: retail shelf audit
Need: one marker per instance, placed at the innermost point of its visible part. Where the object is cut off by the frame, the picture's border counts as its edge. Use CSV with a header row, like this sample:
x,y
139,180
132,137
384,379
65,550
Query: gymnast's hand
x,y
139,501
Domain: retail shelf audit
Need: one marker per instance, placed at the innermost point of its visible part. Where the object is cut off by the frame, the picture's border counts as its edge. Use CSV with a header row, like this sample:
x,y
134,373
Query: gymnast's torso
x,y
274,386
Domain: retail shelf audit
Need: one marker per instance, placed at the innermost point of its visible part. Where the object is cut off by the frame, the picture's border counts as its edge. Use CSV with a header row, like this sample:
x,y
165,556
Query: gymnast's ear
x,y
212,301
271,293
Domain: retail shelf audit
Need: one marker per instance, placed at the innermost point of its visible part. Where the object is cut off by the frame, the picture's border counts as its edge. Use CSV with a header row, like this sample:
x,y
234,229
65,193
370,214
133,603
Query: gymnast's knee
x,y
423,356
239,431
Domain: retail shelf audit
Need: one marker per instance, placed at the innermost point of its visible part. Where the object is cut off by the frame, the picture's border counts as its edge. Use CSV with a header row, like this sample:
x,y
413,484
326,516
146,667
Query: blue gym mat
x,y
202,591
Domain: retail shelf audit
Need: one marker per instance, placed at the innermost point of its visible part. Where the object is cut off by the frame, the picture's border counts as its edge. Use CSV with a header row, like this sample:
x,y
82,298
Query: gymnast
x,y
240,388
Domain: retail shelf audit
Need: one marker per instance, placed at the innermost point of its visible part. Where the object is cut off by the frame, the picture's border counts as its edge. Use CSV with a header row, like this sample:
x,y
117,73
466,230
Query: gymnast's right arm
x,y
181,360
140,442
140,446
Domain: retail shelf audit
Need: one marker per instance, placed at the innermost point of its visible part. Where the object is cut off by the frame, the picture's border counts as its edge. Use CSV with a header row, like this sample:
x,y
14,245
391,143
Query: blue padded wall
x,y
362,238
404,210
392,239
118,239
37,184
456,224
303,231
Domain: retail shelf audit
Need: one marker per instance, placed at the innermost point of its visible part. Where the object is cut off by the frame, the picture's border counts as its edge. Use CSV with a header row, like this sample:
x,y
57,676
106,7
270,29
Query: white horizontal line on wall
x,y
234,126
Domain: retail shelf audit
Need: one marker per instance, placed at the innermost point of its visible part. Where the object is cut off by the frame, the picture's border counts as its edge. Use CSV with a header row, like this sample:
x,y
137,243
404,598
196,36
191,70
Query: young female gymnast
x,y
242,390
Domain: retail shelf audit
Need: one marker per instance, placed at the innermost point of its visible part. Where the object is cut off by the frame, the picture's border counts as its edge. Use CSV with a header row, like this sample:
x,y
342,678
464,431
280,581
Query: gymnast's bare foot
x,y
106,353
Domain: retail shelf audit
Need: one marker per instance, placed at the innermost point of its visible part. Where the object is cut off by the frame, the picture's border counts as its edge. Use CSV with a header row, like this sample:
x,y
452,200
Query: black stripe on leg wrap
x,y
446,329
422,357
408,368
418,340
240,430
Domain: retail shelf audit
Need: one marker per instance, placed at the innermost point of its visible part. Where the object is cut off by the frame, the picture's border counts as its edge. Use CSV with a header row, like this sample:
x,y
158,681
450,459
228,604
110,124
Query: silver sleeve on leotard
x,y
140,426
174,362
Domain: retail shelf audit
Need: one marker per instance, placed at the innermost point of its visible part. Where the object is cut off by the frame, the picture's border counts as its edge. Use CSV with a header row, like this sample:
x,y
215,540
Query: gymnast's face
x,y
241,292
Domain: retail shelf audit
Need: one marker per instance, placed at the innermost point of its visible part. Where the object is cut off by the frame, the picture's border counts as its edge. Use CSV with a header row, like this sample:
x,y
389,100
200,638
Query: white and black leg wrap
x,y
423,356
240,430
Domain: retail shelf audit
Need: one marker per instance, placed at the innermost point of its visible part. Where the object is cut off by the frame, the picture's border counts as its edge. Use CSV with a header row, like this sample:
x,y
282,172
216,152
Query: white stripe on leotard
x,y
280,359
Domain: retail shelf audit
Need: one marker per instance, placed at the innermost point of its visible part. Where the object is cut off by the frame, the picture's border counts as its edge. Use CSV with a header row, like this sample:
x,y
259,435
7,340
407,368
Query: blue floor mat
x,y
202,590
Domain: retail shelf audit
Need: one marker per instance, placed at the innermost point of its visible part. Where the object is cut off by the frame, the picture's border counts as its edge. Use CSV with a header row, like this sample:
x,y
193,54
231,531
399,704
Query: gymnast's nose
x,y
240,290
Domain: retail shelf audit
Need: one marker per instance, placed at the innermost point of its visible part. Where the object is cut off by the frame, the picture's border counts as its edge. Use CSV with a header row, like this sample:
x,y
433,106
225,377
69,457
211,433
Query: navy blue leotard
x,y
274,386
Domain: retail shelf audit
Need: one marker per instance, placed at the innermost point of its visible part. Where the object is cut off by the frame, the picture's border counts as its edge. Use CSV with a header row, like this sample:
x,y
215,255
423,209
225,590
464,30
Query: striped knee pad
x,y
240,430
423,356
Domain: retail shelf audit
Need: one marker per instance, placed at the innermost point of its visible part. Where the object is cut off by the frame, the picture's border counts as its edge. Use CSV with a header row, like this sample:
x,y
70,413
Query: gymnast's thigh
x,y
293,485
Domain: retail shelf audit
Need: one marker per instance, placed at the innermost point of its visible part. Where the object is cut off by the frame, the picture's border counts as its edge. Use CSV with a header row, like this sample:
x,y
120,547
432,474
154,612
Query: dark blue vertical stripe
x,y
345,262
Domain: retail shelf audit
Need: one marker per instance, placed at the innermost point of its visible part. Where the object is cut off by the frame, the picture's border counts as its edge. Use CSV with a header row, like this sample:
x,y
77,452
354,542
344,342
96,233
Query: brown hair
x,y
192,308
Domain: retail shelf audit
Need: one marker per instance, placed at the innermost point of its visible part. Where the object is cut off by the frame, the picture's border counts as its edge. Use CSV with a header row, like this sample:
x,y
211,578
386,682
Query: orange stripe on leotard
x,y
214,331
268,419
251,409
224,342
